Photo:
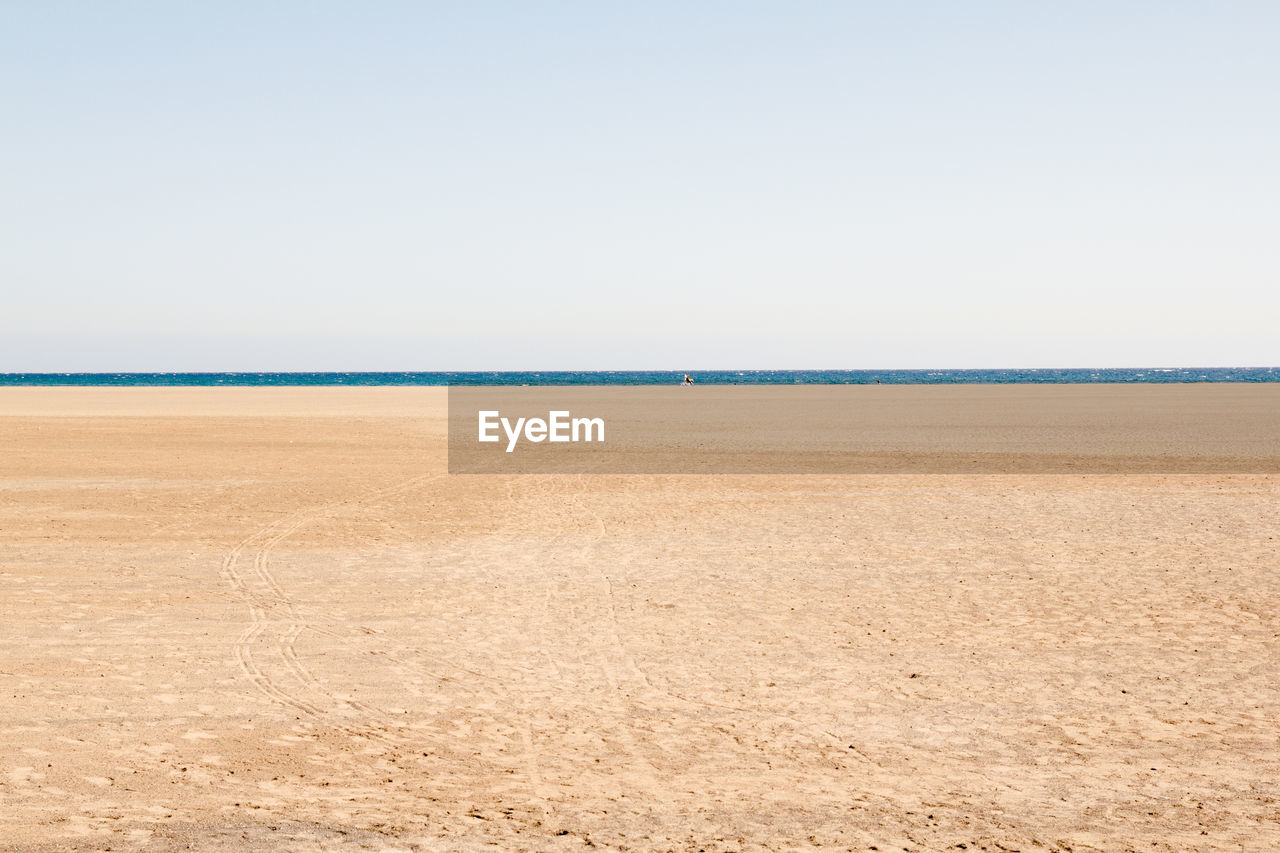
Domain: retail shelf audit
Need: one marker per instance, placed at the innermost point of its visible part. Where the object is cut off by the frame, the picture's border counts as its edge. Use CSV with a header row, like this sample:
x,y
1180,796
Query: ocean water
x,y
665,377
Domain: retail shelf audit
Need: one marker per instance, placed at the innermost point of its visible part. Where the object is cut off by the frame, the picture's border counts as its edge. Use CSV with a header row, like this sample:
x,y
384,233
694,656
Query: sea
x,y
1050,376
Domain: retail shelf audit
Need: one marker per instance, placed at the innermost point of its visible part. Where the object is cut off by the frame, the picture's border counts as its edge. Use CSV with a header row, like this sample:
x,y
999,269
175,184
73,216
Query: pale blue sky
x,y
364,186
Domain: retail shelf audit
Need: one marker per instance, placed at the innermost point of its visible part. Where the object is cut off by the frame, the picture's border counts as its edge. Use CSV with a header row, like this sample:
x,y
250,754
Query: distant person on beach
x,y
687,380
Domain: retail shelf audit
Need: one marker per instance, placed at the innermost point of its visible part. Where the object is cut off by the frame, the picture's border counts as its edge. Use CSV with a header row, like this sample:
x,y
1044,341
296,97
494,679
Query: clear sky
x,y
474,185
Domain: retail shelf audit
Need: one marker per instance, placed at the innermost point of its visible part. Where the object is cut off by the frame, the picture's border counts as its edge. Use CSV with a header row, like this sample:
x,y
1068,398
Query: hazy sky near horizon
x,y
431,186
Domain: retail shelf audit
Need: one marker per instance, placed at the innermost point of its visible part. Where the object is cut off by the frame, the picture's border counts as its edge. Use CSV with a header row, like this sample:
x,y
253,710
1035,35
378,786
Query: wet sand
x,y
267,618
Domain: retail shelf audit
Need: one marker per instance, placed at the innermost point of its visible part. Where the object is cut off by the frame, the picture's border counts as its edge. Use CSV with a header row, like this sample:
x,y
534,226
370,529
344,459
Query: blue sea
x,y
665,377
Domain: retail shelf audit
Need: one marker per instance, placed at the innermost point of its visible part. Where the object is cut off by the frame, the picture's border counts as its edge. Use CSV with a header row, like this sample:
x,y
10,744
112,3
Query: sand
x,y
267,618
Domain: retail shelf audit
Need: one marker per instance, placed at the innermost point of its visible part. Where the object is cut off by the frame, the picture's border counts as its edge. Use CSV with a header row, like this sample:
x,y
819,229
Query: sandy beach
x,y
268,618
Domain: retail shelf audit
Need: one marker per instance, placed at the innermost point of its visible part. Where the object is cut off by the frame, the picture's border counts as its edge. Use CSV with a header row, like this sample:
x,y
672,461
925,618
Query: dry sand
x,y
248,618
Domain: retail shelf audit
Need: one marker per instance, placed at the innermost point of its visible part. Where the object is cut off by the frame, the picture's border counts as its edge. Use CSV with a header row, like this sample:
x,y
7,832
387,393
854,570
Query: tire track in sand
x,y
615,663
276,623
821,737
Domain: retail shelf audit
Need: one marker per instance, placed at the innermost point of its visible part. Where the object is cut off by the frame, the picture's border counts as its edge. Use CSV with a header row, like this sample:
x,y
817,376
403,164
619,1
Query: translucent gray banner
x,y
995,429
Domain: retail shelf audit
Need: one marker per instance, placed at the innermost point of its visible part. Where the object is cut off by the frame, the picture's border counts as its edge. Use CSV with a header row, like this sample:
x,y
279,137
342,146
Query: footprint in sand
x,y
24,776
